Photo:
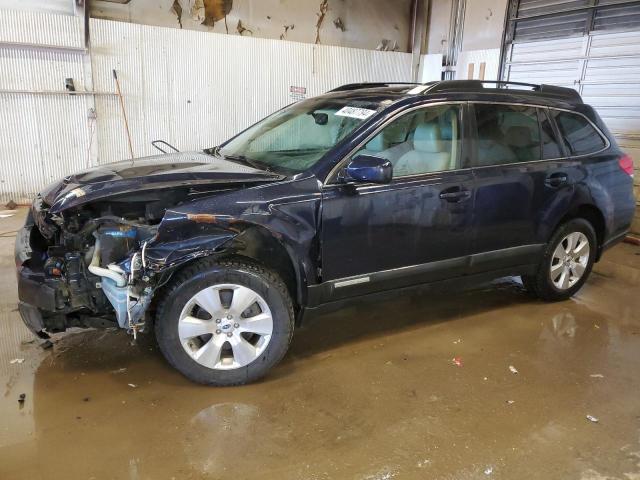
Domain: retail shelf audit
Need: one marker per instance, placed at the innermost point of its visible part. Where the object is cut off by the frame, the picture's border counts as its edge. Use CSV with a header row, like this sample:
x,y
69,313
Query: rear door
x,y
415,229
523,184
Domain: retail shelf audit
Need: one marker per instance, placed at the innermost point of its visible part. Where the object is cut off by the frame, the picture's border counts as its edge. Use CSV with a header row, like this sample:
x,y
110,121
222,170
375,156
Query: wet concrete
x,y
369,392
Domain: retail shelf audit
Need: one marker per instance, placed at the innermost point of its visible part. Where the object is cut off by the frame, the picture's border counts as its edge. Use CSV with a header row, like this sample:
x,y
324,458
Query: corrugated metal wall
x,y
196,89
193,89
43,134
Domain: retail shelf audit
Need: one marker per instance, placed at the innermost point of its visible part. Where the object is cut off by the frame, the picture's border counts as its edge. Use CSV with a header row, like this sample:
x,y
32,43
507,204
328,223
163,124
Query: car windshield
x,y
293,139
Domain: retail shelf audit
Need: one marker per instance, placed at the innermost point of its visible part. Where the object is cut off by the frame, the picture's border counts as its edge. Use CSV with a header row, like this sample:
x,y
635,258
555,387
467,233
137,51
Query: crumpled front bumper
x,y
33,293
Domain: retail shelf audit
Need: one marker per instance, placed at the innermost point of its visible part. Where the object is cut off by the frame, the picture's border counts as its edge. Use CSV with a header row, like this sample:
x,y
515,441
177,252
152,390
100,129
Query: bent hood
x,y
149,173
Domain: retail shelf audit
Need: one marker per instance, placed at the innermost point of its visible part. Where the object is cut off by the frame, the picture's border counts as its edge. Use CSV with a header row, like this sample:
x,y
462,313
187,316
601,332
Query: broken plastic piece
x,y
596,375
592,419
132,385
513,369
488,470
16,360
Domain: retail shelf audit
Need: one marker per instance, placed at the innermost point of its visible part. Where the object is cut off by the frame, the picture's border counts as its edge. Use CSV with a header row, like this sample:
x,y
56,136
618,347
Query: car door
x,y
522,183
412,230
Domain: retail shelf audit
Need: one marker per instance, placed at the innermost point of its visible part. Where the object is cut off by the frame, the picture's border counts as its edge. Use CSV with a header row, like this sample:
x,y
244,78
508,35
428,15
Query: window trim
x,y
566,144
556,132
567,155
469,140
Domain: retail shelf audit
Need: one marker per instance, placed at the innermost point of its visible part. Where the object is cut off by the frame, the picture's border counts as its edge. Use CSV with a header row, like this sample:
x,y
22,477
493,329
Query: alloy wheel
x,y
569,260
225,326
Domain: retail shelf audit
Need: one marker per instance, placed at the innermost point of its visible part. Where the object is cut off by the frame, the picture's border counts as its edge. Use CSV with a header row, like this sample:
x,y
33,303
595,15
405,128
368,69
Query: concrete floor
x,y
369,392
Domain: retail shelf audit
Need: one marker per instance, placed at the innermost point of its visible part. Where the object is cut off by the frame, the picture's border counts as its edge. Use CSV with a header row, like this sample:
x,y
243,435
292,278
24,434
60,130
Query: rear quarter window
x,y
578,134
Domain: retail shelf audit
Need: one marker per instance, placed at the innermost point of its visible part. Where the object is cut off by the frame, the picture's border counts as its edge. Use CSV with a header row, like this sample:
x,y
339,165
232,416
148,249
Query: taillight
x,y
626,164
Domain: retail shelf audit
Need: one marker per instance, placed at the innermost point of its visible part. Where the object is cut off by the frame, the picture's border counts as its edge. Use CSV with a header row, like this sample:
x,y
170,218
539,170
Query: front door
x,y
413,230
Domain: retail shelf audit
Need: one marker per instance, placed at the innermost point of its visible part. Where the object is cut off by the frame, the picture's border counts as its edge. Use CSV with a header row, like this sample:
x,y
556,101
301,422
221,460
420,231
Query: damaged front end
x,y
95,254
80,270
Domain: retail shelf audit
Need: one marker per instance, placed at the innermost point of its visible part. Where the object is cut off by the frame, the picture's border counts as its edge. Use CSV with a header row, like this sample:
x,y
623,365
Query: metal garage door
x,y
590,45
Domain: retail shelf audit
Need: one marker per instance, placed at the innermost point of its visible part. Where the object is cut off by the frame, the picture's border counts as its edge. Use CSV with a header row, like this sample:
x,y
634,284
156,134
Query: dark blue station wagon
x,y
366,189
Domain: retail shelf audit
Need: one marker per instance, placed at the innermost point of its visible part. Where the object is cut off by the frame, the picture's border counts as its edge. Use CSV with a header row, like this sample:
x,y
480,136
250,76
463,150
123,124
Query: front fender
x,y
184,237
287,212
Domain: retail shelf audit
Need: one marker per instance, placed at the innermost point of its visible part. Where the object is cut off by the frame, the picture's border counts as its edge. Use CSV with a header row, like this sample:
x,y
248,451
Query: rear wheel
x,y
225,323
566,262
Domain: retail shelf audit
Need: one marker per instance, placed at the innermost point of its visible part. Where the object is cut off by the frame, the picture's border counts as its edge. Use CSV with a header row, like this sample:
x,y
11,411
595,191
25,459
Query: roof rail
x,y
565,93
358,86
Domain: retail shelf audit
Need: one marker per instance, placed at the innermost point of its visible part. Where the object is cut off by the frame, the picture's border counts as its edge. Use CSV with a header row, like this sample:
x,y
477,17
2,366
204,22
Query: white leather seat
x,y
374,146
429,153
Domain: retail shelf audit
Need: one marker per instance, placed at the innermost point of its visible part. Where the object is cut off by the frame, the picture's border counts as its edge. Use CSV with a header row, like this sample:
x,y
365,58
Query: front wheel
x,y
566,262
225,323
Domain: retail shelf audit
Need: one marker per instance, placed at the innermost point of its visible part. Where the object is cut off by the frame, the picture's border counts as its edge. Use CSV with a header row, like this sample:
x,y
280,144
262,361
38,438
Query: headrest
x,y
518,137
377,143
427,138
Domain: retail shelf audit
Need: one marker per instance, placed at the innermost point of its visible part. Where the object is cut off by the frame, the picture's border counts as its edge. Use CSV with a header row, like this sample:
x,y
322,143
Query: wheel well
x,y
258,245
591,214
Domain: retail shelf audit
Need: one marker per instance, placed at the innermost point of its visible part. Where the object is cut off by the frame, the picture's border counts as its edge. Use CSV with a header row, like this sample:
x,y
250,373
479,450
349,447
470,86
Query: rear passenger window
x,y
422,141
507,134
550,146
579,135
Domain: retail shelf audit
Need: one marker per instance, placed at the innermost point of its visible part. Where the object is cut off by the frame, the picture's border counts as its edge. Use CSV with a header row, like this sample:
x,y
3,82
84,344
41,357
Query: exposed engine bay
x,y
94,256
96,249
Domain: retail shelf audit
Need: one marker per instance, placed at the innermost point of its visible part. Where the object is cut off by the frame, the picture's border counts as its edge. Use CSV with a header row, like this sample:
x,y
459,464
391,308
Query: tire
x,y
236,348
579,267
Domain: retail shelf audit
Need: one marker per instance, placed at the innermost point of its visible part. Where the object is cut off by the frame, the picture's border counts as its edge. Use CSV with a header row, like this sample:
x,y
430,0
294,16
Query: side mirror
x,y
367,168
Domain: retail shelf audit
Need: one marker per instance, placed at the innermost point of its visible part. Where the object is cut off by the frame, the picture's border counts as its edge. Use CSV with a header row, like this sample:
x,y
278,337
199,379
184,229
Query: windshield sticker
x,y
355,112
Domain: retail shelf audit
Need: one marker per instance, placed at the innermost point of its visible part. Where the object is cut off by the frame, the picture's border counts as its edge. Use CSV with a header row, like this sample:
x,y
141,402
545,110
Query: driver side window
x,y
423,141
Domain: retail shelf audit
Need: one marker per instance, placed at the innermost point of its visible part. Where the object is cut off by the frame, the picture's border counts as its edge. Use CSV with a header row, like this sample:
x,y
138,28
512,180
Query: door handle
x,y
455,194
556,180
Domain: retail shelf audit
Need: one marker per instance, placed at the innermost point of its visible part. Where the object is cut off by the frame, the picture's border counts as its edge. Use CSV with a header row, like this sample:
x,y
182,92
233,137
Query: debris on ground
x,y
510,402
21,398
457,361
596,375
455,342
120,370
488,470
86,399
132,385
513,369
592,419
16,360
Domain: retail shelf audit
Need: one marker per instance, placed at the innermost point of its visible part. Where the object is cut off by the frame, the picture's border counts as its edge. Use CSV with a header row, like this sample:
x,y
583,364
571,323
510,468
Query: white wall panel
x,y
40,28
490,57
42,137
196,89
